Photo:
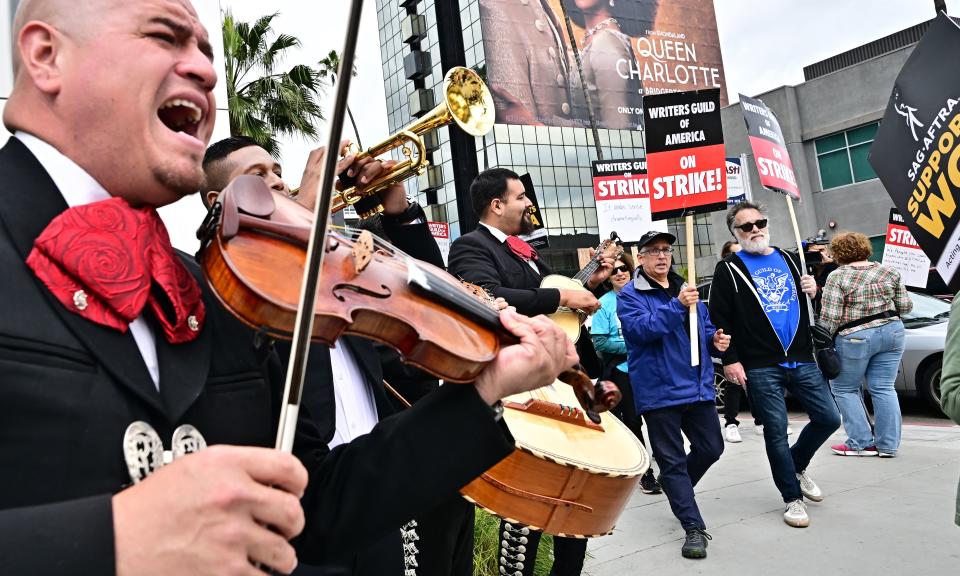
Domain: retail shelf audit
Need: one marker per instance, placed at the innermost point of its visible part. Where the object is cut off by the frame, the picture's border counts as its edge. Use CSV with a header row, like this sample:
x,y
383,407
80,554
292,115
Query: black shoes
x,y
649,484
695,544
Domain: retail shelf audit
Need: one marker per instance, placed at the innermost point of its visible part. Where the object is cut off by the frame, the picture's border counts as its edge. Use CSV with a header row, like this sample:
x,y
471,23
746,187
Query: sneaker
x,y
695,543
796,514
844,450
883,454
809,488
758,429
649,484
732,434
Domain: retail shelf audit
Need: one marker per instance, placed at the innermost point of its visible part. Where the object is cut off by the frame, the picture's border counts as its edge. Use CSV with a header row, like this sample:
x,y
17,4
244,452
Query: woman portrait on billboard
x,y
610,29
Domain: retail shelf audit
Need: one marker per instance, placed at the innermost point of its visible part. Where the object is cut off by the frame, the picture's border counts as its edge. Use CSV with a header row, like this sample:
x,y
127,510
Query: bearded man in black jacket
x,y
756,299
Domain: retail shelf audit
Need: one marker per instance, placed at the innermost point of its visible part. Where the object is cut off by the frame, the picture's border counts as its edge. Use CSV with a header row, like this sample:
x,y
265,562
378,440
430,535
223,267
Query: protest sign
x,y
538,238
902,253
769,148
916,152
441,233
623,199
686,165
738,184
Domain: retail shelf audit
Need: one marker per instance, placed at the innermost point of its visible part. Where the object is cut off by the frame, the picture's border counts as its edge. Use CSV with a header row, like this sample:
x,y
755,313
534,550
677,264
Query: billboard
x,y
769,147
623,199
628,48
916,152
686,164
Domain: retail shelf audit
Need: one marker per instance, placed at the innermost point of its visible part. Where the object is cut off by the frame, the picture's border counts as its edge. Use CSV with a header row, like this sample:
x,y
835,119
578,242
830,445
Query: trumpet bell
x,y
469,101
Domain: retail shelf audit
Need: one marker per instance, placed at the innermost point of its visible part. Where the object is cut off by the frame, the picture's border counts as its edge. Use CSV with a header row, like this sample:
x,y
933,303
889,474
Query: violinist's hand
x,y
213,512
313,173
603,272
543,352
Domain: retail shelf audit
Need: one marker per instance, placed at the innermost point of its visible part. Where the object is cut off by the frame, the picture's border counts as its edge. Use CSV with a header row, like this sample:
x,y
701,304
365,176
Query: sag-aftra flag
x,y
916,152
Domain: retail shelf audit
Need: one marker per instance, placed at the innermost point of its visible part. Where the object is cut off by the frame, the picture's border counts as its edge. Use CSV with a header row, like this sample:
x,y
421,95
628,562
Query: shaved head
x,y
123,88
68,16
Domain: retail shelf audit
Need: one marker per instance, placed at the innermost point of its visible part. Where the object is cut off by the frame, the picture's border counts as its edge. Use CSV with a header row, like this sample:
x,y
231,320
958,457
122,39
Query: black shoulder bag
x,y
825,346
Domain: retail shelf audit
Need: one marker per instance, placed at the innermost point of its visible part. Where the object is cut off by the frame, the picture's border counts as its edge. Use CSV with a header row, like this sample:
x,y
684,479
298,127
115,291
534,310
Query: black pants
x,y
679,471
732,396
445,547
626,410
518,552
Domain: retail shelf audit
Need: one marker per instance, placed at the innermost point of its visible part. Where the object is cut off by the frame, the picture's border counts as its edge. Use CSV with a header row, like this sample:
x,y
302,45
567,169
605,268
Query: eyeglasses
x,y
621,270
748,226
658,251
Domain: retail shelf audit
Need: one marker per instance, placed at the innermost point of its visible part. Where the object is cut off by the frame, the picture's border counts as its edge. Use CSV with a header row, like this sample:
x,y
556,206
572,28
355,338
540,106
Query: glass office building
x,y
419,40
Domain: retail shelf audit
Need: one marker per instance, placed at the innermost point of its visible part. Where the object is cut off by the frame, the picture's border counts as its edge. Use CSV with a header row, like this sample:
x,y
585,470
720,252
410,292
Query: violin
x,y
253,253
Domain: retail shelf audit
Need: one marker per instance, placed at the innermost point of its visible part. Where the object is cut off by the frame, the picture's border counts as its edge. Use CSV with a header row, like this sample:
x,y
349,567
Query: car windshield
x,y
926,309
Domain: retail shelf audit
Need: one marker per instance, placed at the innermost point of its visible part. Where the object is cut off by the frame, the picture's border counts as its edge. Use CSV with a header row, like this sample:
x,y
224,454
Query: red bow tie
x,y
100,261
522,249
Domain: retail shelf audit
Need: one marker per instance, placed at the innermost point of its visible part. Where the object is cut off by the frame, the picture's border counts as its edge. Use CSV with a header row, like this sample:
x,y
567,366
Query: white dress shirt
x,y
79,188
499,235
356,408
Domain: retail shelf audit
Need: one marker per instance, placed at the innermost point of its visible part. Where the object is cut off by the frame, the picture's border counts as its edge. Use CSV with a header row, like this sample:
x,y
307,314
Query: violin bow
x,y
303,327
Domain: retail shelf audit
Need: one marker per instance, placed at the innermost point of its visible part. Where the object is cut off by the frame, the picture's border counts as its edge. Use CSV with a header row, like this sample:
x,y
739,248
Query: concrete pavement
x,y
878,517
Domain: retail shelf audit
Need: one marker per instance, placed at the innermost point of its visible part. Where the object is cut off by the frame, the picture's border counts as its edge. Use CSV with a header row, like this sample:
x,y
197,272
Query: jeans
x,y
873,353
679,471
765,386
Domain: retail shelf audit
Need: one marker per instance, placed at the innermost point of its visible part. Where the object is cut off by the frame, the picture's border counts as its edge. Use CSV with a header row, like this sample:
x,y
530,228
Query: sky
x,y
765,45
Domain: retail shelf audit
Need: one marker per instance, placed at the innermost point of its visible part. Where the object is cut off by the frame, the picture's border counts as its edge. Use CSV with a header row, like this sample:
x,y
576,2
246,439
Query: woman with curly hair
x,y
862,304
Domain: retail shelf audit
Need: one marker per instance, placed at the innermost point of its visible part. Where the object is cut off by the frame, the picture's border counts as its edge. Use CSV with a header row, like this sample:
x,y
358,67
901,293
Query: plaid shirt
x,y
853,292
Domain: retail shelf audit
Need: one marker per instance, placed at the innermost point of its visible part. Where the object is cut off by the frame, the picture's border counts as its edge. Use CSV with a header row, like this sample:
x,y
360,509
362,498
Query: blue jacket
x,y
656,329
606,333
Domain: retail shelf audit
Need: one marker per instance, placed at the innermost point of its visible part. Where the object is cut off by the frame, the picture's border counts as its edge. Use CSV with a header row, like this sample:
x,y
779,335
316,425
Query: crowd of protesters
x,y
759,327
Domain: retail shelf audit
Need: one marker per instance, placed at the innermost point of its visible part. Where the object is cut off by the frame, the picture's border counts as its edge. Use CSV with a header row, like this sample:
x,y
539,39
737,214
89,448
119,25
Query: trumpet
x,y
467,101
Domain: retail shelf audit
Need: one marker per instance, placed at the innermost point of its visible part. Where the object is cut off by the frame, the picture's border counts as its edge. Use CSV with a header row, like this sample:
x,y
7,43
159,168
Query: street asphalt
x,y
878,517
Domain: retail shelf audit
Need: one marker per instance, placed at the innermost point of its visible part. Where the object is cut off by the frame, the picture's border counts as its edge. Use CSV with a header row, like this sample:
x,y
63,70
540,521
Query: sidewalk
x,y
878,516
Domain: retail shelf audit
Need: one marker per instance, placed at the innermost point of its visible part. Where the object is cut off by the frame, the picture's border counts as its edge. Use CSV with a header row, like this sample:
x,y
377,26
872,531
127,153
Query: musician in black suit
x,y
438,542
111,108
493,257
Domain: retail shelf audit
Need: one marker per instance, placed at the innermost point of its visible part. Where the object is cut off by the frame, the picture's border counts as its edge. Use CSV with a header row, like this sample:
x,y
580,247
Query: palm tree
x,y
328,70
268,103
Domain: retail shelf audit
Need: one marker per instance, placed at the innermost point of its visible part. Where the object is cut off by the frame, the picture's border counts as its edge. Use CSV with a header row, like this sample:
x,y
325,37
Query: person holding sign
x,y
755,296
674,398
862,304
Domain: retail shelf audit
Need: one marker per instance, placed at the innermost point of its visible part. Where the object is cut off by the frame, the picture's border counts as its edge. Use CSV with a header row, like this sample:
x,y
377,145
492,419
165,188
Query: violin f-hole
x,y
360,290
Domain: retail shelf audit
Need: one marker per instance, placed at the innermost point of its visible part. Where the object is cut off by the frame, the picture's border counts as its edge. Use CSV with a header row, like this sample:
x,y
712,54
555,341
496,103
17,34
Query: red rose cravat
x,y
521,248
106,261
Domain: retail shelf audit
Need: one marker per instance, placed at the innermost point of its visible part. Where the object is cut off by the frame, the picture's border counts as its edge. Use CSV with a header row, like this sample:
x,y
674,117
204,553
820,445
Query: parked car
x,y
924,338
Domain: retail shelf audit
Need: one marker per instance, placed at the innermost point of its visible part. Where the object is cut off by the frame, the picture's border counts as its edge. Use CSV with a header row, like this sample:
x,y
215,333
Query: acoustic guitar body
x,y
569,320
567,476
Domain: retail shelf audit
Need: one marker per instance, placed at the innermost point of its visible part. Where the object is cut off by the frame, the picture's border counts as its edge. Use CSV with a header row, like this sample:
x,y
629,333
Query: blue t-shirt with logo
x,y
778,294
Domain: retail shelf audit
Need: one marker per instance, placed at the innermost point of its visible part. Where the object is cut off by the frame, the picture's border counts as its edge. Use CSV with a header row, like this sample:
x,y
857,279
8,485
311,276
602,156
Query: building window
x,y
842,157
